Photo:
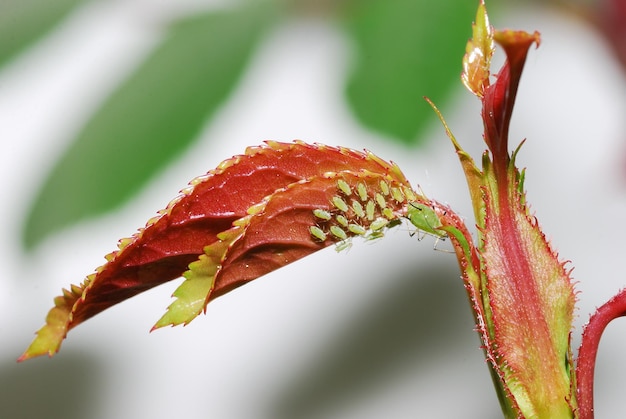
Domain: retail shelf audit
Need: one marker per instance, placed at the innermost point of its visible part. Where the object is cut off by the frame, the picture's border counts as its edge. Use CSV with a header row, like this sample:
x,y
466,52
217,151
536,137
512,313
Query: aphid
x,y
384,187
342,220
338,232
380,200
387,212
358,209
322,214
340,204
343,245
393,223
379,223
357,229
424,218
361,190
317,233
375,235
344,187
410,195
397,194
369,210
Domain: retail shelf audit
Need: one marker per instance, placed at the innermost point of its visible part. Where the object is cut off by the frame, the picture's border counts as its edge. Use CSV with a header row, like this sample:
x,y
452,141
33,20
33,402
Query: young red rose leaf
x,y
290,224
499,97
180,233
478,53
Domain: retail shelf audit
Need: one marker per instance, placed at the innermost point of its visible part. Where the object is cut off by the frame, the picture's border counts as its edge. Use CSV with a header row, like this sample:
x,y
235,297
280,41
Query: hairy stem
x,y
612,309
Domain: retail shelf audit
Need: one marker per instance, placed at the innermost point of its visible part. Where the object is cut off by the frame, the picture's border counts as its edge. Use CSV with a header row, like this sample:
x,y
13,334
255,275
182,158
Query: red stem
x,y
612,309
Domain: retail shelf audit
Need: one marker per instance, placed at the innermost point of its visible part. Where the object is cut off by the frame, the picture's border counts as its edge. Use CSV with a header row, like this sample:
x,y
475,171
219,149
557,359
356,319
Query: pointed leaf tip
x,y
193,294
478,53
48,339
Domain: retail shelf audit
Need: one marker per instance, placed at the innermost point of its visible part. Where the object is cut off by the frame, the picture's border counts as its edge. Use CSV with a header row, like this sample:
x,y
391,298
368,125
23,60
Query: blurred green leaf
x,y
24,21
149,120
405,49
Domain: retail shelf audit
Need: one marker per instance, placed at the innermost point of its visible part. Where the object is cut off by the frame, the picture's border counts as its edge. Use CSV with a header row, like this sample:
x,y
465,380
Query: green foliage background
x,y
403,50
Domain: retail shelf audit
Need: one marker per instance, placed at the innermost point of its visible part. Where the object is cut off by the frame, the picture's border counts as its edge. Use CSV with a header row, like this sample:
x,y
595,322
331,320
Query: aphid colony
x,y
364,211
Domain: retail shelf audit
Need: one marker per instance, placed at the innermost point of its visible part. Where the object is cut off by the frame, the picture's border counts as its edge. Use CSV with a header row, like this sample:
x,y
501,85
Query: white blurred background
x,y
380,331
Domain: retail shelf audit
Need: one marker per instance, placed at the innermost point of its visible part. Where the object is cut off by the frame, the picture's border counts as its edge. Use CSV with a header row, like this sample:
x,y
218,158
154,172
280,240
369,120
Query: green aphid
x,y
361,190
357,229
397,194
394,223
379,223
380,200
375,235
424,218
340,204
410,195
343,221
343,245
370,207
317,233
338,232
344,187
358,209
387,212
384,187
322,214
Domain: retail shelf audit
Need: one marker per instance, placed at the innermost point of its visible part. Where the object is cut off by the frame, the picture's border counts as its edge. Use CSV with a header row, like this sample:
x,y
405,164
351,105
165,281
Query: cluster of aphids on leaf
x,y
365,212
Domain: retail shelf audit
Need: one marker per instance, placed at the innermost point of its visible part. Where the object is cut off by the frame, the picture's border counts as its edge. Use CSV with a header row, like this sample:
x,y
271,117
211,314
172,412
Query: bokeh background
x,y
380,330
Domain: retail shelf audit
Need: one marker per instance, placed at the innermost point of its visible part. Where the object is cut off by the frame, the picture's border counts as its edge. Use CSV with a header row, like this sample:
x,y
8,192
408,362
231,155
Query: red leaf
x,y
294,222
170,242
499,97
